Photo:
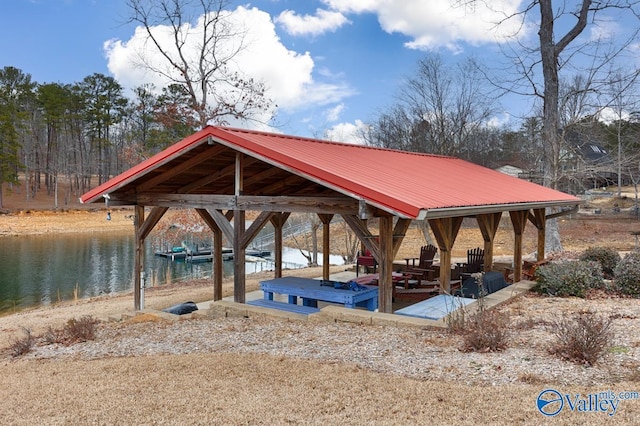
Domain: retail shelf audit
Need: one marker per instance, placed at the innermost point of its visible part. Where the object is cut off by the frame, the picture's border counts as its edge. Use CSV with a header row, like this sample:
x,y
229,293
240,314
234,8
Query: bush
x,y
80,330
487,331
569,278
627,274
582,339
21,346
606,256
75,330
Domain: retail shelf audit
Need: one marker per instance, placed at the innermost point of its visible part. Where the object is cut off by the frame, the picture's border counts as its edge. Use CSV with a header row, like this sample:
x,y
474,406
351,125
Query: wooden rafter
x,y
180,168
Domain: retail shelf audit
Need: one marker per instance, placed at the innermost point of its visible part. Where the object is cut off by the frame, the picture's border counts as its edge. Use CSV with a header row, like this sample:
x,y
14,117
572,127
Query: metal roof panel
x,y
399,182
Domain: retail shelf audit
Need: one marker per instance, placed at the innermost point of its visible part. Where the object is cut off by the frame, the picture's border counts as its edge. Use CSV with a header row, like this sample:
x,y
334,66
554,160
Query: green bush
x,y
627,274
572,278
606,256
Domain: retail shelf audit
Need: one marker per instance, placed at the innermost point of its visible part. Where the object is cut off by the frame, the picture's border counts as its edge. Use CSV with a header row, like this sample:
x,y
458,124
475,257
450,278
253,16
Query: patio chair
x,y
475,261
366,260
423,270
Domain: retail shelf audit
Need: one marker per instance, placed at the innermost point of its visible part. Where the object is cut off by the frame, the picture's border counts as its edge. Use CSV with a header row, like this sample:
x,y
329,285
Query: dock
x,y
205,254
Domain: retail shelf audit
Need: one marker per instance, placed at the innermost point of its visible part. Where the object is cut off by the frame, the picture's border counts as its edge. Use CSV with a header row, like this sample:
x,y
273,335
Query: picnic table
x,y
311,291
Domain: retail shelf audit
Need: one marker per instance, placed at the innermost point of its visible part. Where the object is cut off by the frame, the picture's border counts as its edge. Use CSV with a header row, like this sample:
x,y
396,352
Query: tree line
x,y
83,133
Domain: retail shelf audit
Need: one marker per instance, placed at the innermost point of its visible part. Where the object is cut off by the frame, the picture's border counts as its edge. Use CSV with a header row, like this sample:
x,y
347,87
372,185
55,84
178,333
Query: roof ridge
x,y
324,141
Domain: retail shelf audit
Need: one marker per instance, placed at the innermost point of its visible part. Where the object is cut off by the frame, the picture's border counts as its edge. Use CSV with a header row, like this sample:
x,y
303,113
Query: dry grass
x,y
241,389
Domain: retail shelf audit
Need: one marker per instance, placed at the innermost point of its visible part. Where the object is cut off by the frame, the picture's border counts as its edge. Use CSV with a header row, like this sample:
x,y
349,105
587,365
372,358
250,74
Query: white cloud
x,y
319,23
604,29
347,132
437,23
609,115
333,114
499,121
288,75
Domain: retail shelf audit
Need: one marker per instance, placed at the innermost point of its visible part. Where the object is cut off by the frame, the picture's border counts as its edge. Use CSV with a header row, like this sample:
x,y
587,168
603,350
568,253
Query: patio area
x,y
418,316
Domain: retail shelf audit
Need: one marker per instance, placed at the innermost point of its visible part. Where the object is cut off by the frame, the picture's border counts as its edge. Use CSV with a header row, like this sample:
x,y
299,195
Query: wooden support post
x,y
239,272
138,269
519,221
217,264
539,220
278,220
488,224
445,230
216,249
326,243
385,281
239,252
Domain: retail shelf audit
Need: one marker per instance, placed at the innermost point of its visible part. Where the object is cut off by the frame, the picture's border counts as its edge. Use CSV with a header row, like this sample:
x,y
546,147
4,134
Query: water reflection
x,y
37,270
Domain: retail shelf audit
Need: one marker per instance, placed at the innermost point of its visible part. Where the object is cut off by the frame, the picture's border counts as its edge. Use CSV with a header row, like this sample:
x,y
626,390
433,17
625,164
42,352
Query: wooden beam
x,y
151,221
399,232
326,243
254,228
445,230
222,221
359,227
305,204
326,205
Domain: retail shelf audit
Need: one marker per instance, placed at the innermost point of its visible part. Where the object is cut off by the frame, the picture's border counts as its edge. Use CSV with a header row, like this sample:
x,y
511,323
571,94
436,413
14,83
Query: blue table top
x,y
436,307
314,289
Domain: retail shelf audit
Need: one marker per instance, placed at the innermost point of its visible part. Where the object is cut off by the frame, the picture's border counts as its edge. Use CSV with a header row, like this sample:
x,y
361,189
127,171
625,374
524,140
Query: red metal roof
x,y
403,183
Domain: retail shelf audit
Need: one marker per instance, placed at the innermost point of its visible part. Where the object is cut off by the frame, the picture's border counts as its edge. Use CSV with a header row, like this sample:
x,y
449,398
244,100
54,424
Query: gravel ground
x,y
413,353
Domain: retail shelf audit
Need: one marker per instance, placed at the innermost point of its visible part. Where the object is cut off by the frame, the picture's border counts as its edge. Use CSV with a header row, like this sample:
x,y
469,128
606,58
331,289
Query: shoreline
x,y
68,221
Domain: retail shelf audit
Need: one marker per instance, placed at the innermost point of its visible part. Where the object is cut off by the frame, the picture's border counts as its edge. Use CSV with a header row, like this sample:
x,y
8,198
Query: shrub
x,y
22,345
486,331
80,330
582,339
627,274
606,256
52,336
569,278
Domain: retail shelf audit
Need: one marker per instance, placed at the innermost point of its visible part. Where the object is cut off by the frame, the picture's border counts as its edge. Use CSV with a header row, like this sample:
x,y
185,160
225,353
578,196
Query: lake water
x,y
37,270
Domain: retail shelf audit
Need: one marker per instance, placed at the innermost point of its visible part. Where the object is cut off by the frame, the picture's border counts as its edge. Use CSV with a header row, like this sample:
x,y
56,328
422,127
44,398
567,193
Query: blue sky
x,y
330,65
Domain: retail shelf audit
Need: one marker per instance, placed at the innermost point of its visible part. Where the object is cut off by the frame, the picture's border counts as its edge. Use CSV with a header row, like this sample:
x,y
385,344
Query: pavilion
x,y
224,172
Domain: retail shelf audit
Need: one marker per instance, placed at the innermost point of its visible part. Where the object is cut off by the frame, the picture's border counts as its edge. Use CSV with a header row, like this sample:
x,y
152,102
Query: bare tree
x,y
560,48
622,101
198,54
440,110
